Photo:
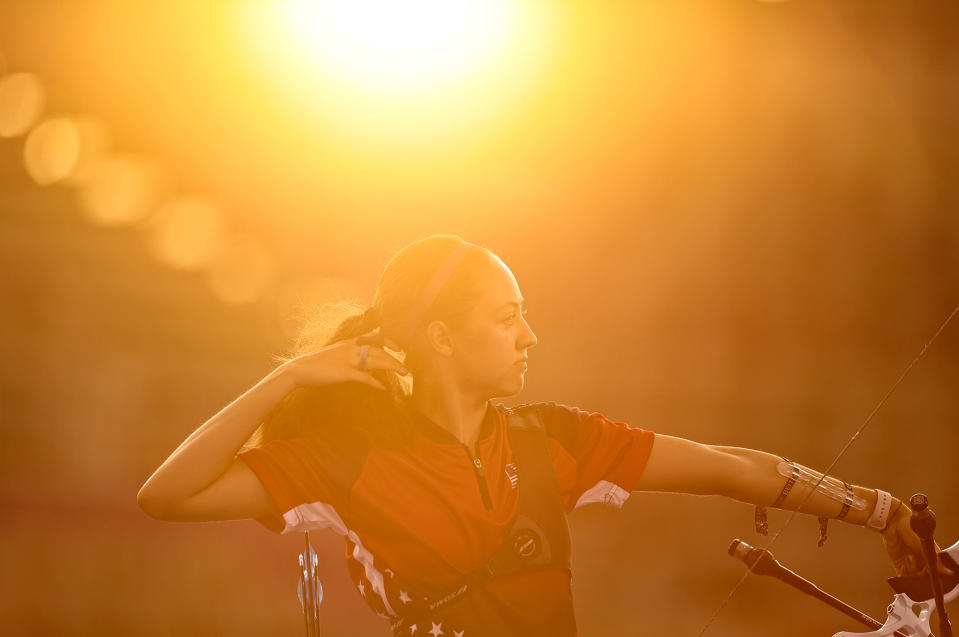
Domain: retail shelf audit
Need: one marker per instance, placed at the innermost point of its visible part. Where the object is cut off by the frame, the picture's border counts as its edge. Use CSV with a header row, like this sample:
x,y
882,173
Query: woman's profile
x,y
453,507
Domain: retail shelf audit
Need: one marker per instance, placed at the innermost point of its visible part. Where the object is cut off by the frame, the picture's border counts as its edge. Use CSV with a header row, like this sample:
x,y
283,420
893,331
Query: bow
x,y
902,606
907,616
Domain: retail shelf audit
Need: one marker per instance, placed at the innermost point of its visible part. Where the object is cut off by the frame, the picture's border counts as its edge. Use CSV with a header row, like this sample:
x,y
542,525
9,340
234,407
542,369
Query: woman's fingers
x,y
906,553
375,337
367,379
387,361
377,358
370,338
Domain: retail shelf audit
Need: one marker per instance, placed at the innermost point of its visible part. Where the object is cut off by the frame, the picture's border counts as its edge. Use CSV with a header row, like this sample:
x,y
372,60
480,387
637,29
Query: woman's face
x,y
489,351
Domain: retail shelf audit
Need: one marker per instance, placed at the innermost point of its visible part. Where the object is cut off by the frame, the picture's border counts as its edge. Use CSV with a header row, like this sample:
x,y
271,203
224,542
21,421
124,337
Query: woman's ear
x,y
439,338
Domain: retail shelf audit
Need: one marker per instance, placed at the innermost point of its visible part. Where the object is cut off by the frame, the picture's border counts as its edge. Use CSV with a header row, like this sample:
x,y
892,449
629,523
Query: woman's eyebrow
x,y
521,305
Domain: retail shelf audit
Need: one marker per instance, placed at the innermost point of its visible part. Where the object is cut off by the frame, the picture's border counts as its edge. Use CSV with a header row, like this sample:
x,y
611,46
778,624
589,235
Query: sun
x,y
375,75
398,46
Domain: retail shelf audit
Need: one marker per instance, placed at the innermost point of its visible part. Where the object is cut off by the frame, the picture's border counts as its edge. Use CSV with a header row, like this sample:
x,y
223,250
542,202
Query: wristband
x,y
892,514
877,521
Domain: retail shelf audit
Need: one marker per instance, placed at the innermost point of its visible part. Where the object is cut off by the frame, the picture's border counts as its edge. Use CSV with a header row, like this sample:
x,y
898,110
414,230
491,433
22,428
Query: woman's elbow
x,y
152,505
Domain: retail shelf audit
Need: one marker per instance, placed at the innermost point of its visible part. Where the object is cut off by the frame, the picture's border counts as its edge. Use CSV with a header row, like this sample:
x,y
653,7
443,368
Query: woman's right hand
x,y
340,362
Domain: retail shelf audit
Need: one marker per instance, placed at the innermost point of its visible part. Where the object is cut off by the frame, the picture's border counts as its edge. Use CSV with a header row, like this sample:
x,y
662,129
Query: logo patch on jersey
x,y
526,544
513,474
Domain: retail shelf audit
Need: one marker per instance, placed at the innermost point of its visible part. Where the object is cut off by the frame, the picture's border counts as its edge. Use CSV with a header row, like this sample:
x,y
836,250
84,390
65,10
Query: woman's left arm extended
x,y
749,475
684,466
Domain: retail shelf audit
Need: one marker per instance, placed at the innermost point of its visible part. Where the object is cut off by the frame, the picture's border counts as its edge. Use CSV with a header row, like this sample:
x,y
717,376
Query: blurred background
x,y
733,221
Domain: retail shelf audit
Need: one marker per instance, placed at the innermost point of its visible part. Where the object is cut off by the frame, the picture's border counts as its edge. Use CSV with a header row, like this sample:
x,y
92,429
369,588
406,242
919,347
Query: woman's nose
x,y
529,336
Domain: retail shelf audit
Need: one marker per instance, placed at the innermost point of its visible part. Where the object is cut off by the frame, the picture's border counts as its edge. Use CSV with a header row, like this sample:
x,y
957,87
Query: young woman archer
x,y
453,507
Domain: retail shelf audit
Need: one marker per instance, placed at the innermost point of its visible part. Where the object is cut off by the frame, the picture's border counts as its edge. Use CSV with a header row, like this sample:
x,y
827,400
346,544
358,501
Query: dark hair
x,y
379,415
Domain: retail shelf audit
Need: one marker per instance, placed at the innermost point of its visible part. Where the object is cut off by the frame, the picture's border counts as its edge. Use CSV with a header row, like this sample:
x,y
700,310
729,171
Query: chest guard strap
x,y
538,536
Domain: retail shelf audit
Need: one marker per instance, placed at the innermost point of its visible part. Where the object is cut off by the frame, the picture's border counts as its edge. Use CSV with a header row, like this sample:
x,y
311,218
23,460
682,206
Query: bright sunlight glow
x,y
362,75
390,45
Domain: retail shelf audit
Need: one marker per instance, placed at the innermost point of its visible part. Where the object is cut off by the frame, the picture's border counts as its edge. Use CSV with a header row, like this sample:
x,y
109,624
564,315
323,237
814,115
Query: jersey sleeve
x,y
309,480
596,459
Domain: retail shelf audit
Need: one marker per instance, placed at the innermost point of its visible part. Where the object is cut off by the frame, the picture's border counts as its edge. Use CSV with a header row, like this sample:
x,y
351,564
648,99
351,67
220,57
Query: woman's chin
x,y
515,387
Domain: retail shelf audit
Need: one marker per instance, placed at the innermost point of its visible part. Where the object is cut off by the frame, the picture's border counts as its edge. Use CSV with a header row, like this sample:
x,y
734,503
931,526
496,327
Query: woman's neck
x,y
445,405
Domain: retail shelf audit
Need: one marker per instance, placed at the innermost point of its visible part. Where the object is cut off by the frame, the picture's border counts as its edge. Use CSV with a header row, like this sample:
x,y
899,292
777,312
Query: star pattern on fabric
x,y
437,629
405,598
458,633
362,589
412,629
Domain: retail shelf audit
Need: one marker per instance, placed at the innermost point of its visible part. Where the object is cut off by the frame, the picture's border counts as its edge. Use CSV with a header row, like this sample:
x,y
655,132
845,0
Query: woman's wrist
x,y
898,508
881,509
879,516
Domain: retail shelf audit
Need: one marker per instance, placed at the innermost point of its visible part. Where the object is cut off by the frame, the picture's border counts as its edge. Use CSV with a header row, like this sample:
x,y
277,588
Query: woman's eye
x,y
513,316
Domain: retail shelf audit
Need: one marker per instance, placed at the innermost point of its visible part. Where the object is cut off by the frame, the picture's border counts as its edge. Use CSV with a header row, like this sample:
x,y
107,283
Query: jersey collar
x,y
436,433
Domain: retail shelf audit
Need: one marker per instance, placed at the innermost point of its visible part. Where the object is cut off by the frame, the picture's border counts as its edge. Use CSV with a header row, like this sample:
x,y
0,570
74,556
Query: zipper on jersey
x,y
481,478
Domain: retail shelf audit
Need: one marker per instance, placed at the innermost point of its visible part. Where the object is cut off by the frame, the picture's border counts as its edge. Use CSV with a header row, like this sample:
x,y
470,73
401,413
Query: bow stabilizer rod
x,y
762,562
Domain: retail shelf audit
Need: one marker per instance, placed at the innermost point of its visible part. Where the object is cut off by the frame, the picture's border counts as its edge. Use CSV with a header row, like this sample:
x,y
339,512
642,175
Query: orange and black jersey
x,y
418,517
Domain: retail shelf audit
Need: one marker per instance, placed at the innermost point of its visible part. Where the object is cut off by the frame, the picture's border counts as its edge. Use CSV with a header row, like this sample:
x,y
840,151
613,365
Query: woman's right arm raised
x,y
204,480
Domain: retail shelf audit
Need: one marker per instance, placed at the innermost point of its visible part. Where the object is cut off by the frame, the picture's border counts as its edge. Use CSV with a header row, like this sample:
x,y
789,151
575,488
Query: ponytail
x,y
307,410
356,325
